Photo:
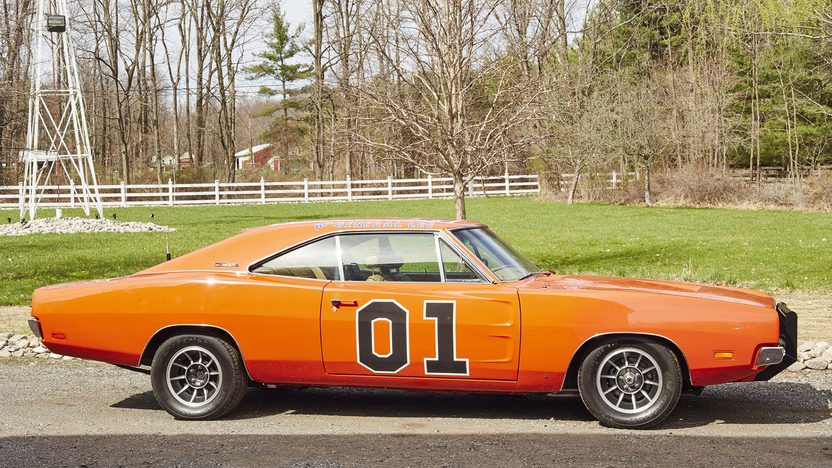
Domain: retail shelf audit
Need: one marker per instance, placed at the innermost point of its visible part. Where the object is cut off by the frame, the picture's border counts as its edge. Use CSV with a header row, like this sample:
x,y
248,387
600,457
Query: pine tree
x,y
279,64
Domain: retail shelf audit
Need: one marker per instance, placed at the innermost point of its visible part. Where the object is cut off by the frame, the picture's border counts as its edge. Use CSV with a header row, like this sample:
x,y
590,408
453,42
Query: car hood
x,y
636,285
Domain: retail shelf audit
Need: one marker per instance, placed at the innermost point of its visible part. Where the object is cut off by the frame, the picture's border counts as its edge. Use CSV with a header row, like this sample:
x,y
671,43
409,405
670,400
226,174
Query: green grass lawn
x,y
771,250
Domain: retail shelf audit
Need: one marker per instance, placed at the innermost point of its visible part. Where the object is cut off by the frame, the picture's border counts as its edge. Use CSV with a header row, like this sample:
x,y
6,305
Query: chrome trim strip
x,y
442,233
201,325
466,257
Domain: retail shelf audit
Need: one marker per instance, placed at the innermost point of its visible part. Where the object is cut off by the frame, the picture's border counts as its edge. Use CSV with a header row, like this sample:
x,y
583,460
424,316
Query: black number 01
x,y
444,362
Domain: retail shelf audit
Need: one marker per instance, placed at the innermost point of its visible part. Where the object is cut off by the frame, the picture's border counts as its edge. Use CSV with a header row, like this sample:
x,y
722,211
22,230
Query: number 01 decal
x,y
444,362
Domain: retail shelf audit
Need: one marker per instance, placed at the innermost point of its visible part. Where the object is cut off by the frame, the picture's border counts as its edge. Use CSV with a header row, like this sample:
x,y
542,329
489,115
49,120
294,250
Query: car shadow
x,y
742,403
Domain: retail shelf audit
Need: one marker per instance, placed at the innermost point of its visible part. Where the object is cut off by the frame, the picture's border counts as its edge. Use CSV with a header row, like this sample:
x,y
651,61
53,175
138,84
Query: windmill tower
x,y
57,137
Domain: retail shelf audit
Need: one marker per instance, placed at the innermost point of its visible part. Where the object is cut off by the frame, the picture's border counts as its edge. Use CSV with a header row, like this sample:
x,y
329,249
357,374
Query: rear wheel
x,y
197,377
634,385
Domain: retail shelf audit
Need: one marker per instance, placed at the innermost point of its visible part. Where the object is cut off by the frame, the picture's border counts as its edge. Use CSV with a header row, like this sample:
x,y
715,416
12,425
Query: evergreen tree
x,y
279,63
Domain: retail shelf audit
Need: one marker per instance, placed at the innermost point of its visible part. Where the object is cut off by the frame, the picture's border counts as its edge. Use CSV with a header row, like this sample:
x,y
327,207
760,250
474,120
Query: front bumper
x,y
788,342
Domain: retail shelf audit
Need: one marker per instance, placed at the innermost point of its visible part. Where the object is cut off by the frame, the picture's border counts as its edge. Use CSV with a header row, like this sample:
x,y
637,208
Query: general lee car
x,y
411,304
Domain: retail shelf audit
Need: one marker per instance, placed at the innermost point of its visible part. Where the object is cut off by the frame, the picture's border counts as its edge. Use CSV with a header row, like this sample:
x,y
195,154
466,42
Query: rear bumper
x,y
34,325
788,342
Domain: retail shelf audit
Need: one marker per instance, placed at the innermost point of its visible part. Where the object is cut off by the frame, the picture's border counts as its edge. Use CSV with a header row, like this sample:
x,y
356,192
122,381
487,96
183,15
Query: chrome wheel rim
x,y
194,376
629,380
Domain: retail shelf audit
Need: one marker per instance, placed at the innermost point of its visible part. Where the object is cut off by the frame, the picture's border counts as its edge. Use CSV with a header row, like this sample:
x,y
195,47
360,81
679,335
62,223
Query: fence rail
x,y
305,191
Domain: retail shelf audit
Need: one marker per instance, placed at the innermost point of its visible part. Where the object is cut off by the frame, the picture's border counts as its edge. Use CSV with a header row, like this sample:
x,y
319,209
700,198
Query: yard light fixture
x,y
56,23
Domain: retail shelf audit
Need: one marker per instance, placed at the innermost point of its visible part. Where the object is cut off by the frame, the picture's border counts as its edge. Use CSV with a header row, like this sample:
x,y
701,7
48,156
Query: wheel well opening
x,y
570,381
162,335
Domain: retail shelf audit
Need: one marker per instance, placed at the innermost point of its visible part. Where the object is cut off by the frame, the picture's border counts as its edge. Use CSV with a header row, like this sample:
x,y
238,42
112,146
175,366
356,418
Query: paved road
x,y
80,413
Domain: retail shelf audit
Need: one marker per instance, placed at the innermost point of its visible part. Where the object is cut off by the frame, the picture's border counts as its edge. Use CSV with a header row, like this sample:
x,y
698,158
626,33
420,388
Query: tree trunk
x,y
647,187
318,95
573,187
459,196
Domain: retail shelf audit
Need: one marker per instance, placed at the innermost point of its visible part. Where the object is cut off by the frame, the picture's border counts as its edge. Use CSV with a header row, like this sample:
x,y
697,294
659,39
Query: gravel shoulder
x,y
80,412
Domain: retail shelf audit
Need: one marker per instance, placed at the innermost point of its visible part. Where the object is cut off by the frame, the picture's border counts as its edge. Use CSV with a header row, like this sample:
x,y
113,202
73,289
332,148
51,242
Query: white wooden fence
x,y
218,193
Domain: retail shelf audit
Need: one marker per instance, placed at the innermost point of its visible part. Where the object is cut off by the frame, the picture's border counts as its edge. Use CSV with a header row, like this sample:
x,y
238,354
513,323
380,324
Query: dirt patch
x,y
13,319
814,312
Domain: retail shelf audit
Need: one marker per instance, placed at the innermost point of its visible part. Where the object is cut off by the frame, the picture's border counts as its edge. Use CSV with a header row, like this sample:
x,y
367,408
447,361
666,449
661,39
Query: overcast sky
x,y
297,11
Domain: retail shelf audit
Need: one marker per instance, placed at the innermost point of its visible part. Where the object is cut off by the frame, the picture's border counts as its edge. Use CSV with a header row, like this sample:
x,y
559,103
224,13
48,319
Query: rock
x,y
5,335
66,358
29,354
54,355
18,353
4,353
3,344
797,366
804,356
827,354
15,338
75,225
817,363
40,350
34,343
22,343
820,348
806,346
42,355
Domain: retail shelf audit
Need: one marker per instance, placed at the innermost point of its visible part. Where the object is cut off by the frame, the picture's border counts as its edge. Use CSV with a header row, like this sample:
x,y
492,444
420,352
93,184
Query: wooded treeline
x,y
457,87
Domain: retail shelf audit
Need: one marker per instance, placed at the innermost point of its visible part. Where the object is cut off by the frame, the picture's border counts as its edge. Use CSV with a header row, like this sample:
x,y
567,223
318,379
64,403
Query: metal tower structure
x,y
57,137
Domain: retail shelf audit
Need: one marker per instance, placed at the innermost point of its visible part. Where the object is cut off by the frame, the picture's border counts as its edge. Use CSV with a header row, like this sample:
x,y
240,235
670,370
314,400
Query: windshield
x,y
505,262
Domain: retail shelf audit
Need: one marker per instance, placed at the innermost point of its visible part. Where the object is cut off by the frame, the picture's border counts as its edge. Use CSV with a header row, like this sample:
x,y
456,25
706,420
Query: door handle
x,y
336,303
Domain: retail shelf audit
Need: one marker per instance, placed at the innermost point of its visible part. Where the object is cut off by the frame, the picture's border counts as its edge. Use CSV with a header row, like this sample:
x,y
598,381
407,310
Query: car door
x,y
401,310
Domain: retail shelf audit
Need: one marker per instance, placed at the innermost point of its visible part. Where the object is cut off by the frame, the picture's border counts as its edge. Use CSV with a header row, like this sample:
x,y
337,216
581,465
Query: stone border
x,y
29,346
814,356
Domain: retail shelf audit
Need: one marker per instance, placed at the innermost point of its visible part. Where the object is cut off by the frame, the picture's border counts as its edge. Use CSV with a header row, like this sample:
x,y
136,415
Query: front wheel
x,y
197,377
634,385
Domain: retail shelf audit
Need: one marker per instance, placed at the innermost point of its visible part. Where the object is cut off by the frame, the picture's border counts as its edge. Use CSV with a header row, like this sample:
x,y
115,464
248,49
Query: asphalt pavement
x,y
77,413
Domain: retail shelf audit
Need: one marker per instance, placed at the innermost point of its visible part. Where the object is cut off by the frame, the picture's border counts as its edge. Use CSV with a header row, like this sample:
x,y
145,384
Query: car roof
x,y
372,224
240,251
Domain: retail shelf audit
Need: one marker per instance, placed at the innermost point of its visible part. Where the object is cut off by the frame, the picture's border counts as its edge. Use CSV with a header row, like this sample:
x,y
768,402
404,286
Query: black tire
x,y
629,403
198,377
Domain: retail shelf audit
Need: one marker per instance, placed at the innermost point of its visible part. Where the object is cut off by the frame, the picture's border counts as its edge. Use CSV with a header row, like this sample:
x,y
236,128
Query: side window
x,y
456,270
316,261
390,257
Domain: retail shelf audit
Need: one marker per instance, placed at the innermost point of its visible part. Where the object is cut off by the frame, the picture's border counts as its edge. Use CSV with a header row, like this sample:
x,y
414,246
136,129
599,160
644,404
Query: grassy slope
x,y
759,249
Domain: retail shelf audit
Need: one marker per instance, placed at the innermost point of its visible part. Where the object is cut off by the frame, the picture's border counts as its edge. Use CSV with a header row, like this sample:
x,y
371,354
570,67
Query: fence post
x,y
430,186
262,190
389,187
170,192
471,187
123,194
508,187
21,198
349,188
614,180
72,194
305,189
216,192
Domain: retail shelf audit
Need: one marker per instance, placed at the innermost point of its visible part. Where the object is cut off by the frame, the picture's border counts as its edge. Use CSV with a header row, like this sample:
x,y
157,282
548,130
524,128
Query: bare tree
x,y
14,24
464,112
644,119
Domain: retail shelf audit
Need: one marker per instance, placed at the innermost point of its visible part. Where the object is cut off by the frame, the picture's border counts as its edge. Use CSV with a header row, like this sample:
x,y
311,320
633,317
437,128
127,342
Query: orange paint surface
x,y
518,336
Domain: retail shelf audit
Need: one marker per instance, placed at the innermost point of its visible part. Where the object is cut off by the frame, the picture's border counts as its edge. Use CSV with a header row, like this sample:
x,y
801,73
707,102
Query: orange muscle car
x,y
414,304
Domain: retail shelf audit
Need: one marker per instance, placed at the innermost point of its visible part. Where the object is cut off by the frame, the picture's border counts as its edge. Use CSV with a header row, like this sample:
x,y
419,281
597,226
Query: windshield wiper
x,y
534,273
